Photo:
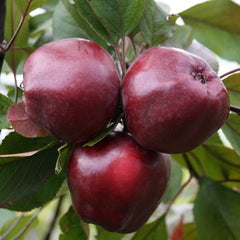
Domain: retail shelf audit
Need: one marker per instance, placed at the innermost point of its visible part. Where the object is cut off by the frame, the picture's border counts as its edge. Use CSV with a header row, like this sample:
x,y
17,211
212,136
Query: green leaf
x,y
153,231
71,227
231,130
175,181
14,143
216,24
112,19
64,154
67,22
5,103
29,182
87,14
181,37
216,161
189,231
156,24
21,221
232,84
22,5
5,215
105,235
13,17
101,135
11,93
217,212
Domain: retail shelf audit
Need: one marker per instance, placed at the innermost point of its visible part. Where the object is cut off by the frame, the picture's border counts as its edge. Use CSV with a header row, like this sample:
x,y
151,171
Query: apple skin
x,y
173,101
71,88
117,183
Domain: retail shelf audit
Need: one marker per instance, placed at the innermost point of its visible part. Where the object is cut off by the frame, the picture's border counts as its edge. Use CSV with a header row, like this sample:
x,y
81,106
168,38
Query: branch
x,y
235,109
57,211
2,27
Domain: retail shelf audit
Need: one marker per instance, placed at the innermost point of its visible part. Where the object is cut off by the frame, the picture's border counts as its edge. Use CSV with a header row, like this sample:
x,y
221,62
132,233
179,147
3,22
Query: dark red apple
x,y
71,88
173,101
117,183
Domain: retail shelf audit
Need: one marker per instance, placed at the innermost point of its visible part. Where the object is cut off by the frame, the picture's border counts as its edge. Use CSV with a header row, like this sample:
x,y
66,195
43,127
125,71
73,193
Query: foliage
x,y
33,170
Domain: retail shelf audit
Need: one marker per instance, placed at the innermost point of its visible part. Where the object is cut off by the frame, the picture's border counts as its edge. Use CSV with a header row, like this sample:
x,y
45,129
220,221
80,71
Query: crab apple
x,y
71,88
173,101
117,183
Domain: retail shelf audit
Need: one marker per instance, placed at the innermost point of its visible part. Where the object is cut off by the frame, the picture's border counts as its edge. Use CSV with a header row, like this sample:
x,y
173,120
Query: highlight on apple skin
x,y
117,183
71,88
172,100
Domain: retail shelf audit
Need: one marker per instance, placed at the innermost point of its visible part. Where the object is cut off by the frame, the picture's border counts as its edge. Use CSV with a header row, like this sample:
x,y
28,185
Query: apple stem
x,y
235,109
230,72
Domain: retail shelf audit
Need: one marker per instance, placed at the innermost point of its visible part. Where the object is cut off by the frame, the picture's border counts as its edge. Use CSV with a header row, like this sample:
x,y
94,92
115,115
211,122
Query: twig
x,y
178,193
57,211
199,163
10,43
12,227
2,24
230,72
235,109
190,167
228,180
25,228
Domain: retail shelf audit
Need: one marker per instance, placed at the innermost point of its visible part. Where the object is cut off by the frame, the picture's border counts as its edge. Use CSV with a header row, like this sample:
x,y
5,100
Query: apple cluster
x,y
172,102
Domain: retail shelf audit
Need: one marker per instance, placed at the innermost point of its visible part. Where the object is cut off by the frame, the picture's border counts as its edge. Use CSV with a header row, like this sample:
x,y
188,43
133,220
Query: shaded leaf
x,y
153,231
231,130
22,124
33,4
216,161
103,234
156,24
232,84
189,230
66,16
71,227
5,103
13,17
181,37
29,182
112,19
216,24
217,212
175,182
15,143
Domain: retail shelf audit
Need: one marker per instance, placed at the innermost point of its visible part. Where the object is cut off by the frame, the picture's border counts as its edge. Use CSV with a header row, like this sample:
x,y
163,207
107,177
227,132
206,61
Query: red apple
x,y
71,88
117,183
173,101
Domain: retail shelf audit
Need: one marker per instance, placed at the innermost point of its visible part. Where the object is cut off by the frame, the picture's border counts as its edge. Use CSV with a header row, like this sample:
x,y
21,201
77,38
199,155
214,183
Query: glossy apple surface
x,y
173,101
117,183
71,88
